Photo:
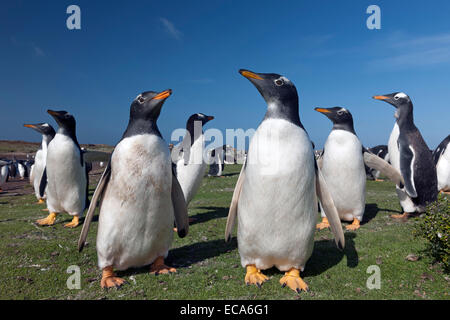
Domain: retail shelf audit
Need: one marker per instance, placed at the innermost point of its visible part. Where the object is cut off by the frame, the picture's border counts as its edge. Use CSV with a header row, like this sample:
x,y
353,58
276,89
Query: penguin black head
x,y
43,128
198,117
401,101
65,120
342,118
279,93
148,104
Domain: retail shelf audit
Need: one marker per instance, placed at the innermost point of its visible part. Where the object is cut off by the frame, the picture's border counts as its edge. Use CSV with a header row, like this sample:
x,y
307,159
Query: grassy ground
x,y
34,260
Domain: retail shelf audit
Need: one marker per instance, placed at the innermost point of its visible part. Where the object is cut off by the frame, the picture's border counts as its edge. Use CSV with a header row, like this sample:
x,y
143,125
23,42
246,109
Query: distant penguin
x,y
40,159
441,157
410,155
274,201
188,156
12,168
217,161
66,172
382,152
140,197
343,168
22,170
4,172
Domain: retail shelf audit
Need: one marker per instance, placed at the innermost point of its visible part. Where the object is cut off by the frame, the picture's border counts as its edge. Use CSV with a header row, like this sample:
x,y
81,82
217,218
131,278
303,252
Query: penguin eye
x,y
396,97
140,99
279,82
340,113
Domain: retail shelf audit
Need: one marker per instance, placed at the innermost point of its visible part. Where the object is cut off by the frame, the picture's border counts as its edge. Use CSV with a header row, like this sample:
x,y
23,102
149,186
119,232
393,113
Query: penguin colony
x,y
146,187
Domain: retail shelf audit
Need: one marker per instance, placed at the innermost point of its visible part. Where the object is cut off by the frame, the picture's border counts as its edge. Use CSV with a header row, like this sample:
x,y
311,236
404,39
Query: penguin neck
x,y
405,121
69,133
141,126
347,126
192,134
45,141
288,112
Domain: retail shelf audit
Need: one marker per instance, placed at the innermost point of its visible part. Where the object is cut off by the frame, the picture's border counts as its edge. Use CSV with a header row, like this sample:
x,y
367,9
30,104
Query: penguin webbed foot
x,y
404,216
355,225
110,280
74,223
324,224
254,276
48,221
293,280
158,267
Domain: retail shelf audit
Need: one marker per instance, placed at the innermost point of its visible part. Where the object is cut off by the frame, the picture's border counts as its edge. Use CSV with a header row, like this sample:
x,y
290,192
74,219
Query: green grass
x,y
34,260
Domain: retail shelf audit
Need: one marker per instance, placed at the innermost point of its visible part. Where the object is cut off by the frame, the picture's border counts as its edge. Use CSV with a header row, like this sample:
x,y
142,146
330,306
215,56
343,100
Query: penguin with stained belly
x,y
40,159
140,198
409,154
275,198
65,171
441,158
188,156
343,168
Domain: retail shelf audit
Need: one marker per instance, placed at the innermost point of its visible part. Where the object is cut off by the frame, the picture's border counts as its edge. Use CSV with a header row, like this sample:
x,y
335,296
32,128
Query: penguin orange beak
x,y
210,118
250,75
163,95
380,97
322,110
29,126
53,113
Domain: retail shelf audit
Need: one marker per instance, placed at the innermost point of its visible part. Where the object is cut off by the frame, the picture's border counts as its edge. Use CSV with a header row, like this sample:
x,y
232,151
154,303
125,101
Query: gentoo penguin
x,y
343,168
441,157
140,197
4,172
65,171
217,161
275,201
188,156
40,159
410,155
382,152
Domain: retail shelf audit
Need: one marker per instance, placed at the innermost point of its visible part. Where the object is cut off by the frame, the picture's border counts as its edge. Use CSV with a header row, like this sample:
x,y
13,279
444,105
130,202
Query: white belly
x,y
66,188
136,214
278,206
394,156
443,171
343,170
38,168
190,176
3,174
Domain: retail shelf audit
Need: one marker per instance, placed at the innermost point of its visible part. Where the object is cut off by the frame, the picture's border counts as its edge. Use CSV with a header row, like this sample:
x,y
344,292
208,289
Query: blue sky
x,y
196,49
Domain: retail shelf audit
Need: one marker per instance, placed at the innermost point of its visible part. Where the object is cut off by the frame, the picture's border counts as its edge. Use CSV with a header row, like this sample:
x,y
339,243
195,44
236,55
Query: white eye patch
x,y
400,95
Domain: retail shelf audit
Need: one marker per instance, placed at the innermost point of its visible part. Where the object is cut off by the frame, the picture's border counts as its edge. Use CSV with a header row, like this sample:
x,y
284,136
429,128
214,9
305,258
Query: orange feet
x,y
254,276
323,225
49,220
158,267
109,279
354,226
75,222
405,215
292,280
40,201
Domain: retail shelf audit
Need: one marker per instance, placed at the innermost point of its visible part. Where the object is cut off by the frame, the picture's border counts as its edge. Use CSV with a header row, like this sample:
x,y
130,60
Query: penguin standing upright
x,y
382,152
40,159
275,201
409,154
4,172
343,168
65,171
441,157
188,156
140,197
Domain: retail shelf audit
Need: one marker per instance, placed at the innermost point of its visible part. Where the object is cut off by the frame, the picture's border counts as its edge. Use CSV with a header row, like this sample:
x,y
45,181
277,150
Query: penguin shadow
x,y
230,174
188,255
371,212
326,255
212,213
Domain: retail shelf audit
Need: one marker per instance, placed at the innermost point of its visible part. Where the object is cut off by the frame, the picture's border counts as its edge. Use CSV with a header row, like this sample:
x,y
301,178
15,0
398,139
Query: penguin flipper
x,y
90,213
406,161
179,208
96,156
375,162
330,209
232,213
43,183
